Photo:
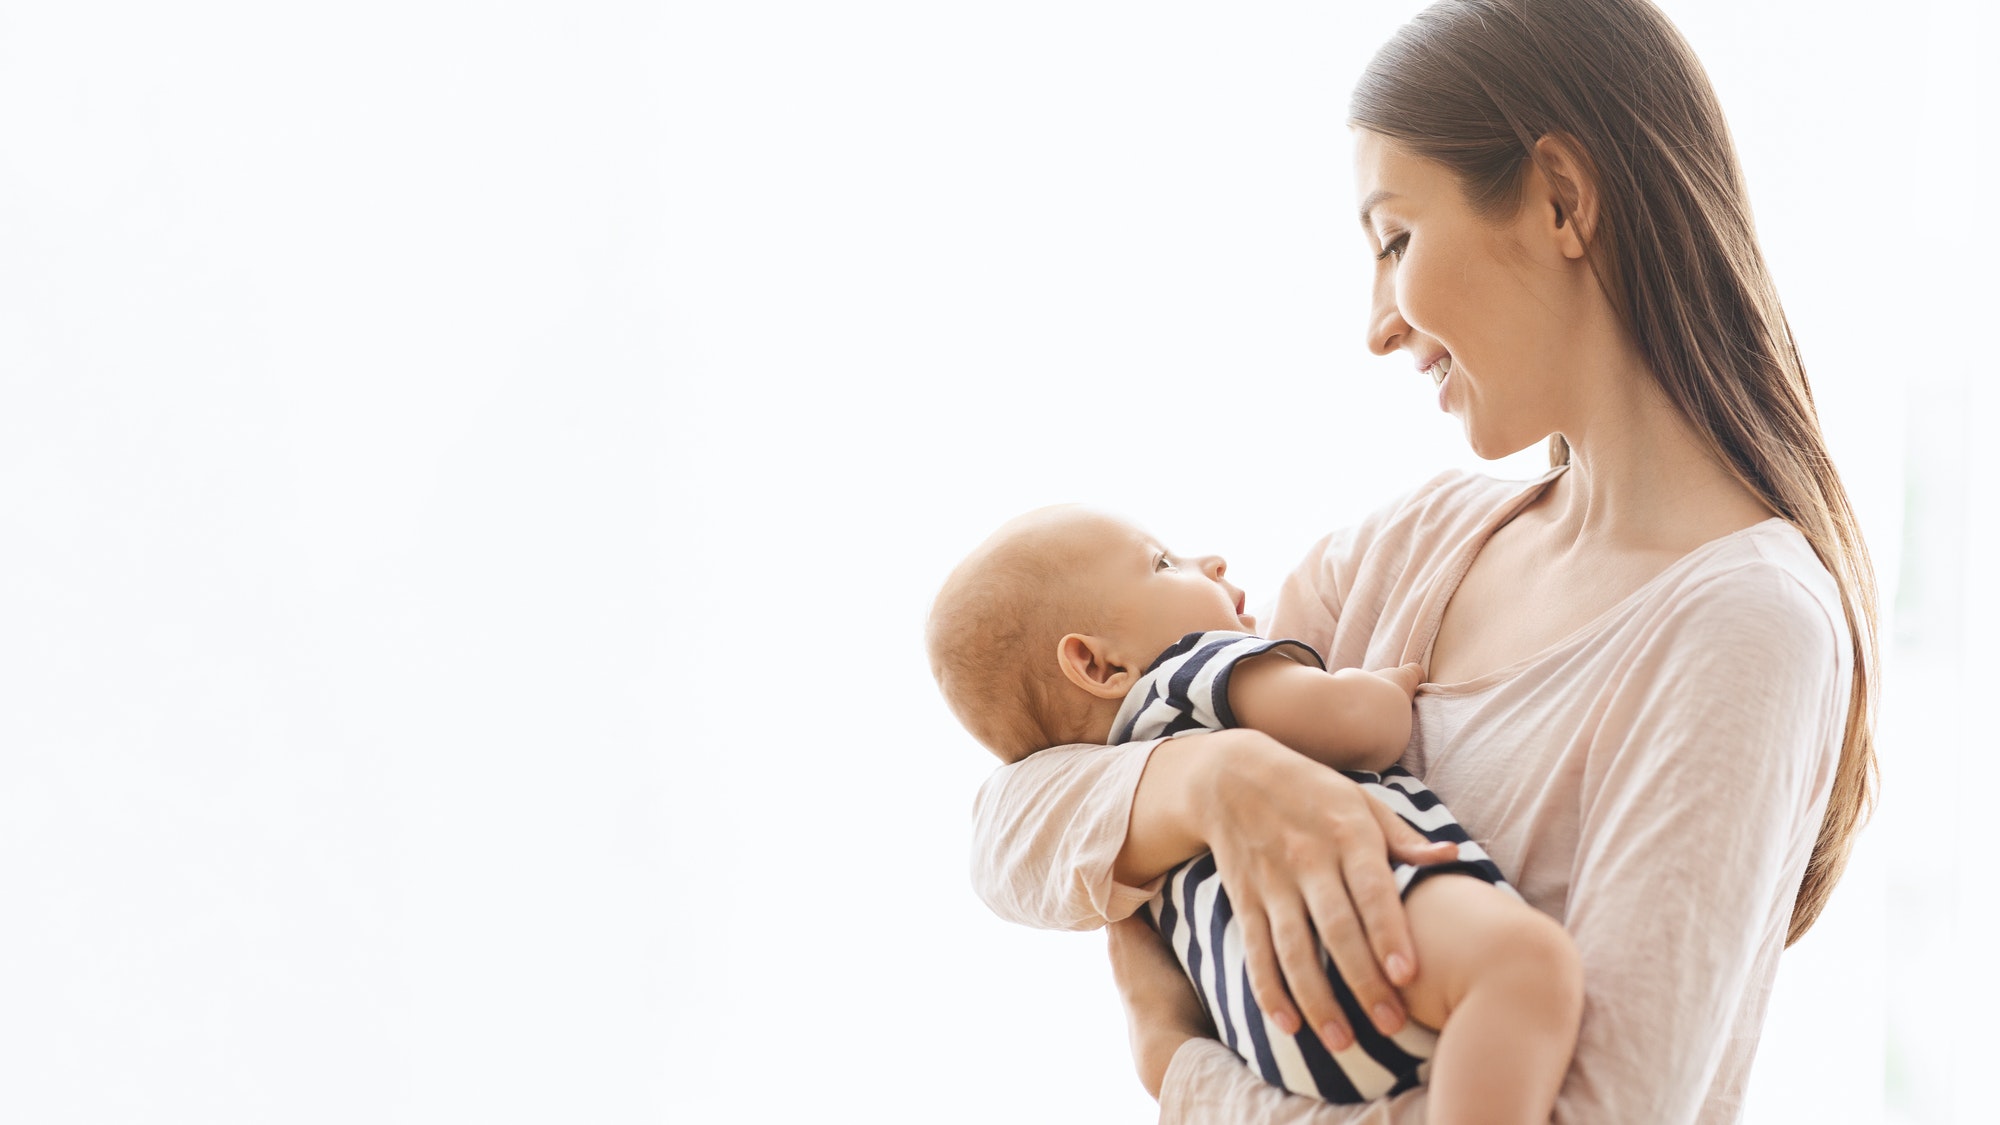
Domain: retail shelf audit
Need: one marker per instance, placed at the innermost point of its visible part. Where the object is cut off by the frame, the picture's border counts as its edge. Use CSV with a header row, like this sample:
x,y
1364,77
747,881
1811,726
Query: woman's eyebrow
x,y
1369,203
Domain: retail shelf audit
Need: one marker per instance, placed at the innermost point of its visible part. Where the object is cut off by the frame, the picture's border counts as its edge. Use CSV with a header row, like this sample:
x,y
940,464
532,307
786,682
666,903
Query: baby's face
x,y
1151,596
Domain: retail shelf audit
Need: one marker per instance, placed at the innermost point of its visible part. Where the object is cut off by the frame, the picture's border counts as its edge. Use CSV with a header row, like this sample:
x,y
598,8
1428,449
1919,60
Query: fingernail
x,y
1335,1037
1285,1022
1399,969
1388,1020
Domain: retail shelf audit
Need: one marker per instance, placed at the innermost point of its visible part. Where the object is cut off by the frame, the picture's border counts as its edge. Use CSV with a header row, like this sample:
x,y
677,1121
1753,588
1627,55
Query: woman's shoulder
x,y
1743,643
1762,587
1770,562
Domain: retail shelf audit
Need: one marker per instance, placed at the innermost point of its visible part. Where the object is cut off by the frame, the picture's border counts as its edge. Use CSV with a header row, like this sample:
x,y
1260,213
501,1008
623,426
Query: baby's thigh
x,y
1469,932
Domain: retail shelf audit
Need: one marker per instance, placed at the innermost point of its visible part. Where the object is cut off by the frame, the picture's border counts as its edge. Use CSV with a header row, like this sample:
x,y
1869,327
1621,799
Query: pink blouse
x,y
1655,781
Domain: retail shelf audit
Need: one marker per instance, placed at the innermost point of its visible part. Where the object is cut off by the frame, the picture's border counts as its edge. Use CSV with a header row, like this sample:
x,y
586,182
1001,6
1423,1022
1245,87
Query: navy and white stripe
x,y
1187,690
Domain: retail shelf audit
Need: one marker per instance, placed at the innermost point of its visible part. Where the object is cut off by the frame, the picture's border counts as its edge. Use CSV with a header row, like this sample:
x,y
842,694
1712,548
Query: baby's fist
x,y
1406,677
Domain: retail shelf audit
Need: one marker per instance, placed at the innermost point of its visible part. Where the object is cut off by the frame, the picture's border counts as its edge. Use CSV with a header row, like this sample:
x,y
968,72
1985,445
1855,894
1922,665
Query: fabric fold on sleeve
x,y
1046,833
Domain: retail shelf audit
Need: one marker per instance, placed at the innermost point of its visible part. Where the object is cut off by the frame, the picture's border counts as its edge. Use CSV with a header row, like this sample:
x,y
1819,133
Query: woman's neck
x,y
1641,477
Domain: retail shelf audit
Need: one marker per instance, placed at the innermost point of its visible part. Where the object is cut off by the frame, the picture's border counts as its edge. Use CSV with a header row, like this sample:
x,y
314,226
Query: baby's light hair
x,y
992,635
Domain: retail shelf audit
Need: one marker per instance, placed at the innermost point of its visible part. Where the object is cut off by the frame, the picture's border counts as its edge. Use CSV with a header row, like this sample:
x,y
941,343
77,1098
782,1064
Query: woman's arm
x,y
1075,837
1304,854
1699,813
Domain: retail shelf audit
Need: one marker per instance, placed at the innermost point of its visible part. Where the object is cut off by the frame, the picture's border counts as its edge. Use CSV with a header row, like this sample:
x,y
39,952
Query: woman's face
x,y
1486,309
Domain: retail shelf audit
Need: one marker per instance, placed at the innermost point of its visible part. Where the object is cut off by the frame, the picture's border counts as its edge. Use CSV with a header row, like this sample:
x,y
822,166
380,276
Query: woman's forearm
x,y
1166,825
1073,837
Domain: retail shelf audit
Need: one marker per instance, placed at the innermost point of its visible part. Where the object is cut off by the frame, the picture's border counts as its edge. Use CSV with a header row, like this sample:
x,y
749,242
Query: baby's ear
x,y
1087,662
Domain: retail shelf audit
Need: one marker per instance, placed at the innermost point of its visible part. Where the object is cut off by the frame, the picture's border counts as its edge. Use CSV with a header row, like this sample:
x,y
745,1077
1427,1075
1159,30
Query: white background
x,y
471,477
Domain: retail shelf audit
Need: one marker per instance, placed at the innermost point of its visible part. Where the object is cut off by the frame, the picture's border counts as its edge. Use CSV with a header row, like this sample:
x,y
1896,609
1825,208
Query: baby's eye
x,y
1164,563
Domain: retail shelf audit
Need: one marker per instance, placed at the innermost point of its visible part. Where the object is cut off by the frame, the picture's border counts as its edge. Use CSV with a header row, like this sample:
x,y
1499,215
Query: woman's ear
x,y
1573,196
1087,663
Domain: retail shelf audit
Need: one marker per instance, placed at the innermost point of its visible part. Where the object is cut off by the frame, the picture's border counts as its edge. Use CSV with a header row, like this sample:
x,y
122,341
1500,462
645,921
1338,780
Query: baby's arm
x,y
1350,719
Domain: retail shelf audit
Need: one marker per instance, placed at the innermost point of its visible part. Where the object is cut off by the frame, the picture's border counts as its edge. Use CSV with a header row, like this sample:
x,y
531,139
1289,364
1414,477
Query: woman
x,y
1651,670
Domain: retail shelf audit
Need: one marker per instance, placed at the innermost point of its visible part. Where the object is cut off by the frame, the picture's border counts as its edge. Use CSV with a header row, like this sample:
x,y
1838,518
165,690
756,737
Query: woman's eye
x,y
1397,248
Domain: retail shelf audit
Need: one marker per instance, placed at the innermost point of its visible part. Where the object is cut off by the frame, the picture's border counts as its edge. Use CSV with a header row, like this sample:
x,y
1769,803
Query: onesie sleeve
x,y
1702,799
1187,689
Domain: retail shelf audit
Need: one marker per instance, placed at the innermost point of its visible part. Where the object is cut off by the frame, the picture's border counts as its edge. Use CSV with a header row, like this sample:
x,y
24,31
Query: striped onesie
x,y
1187,691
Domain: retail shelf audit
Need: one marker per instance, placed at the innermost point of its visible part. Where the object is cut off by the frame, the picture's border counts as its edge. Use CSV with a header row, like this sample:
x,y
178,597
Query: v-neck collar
x,y
1431,619
1424,638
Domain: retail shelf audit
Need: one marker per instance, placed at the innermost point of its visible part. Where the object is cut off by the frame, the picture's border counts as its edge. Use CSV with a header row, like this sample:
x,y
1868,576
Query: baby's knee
x,y
1535,956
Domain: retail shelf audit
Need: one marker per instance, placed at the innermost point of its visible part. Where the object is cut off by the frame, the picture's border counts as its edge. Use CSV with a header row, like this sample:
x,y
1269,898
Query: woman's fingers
x,y
1345,927
1392,953
1298,953
1406,844
1267,981
1301,850
1379,903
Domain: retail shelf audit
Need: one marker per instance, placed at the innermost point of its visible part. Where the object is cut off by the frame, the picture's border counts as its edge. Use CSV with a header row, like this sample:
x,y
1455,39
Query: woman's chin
x,y
1482,443
1489,446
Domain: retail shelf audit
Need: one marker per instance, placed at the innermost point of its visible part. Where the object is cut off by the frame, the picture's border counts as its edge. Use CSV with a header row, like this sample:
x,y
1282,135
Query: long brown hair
x,y
1472,85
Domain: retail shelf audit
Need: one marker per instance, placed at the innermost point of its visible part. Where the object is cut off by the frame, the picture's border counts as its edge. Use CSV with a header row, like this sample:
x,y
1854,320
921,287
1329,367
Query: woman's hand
x,y
1161,1008
1303,852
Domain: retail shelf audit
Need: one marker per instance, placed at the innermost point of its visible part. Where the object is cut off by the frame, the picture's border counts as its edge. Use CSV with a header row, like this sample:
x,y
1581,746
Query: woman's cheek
x,y
1416,299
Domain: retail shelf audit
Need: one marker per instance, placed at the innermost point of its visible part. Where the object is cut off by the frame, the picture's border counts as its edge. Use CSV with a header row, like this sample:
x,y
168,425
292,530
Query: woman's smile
x,y
1452,280
1439,370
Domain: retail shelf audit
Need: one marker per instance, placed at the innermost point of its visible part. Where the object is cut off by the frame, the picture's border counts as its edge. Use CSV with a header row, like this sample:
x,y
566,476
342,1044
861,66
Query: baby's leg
x,y
1502,983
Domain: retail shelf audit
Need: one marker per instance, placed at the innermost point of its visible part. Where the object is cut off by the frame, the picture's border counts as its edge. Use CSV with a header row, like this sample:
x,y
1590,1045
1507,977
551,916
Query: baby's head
x,y
1037,635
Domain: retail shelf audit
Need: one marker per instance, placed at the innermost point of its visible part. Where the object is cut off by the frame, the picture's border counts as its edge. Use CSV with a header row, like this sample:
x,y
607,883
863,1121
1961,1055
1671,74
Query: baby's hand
x,y
1406,677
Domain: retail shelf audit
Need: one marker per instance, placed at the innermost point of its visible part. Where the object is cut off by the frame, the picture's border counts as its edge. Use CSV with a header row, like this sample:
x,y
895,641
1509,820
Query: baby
x,y
1072,626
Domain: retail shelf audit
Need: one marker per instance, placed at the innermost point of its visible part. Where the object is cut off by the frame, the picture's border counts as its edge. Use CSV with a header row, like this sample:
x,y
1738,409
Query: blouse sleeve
x,y
1350,576
1699,809
1046,832
1712,772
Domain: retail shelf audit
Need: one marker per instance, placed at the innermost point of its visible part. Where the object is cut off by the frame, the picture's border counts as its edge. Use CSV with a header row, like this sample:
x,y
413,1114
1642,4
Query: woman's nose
x,y
1386,326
